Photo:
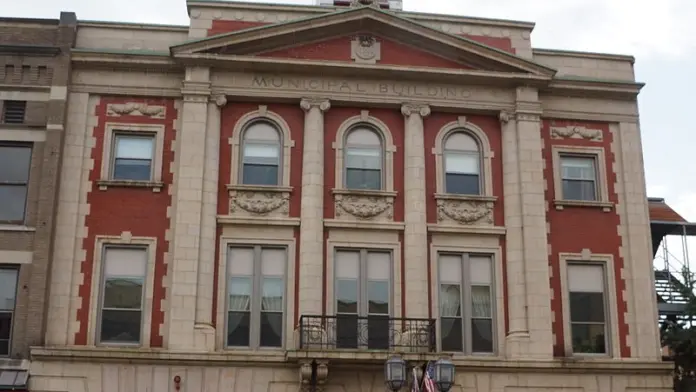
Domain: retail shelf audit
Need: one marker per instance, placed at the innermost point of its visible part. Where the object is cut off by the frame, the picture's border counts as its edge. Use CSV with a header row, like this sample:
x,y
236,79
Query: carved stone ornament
x,y
358,206
307,103
135,109
259,202
365,49
408,109
220,100
573,132
504,116
465,212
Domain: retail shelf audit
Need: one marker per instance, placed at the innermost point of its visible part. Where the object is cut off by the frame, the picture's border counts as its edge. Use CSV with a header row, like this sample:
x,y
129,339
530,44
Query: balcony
x,y
371,333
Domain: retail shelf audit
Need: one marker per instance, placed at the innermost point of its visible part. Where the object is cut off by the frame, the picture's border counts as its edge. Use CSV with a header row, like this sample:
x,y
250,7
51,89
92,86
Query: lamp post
x,y
395,374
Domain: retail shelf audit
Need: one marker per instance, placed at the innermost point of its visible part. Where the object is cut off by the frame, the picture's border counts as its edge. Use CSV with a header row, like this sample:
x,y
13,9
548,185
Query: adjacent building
x,y
34,78
279,197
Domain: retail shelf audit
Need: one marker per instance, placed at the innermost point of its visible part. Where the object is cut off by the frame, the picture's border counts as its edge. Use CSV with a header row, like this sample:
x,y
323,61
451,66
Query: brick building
x,y
34,75
276,196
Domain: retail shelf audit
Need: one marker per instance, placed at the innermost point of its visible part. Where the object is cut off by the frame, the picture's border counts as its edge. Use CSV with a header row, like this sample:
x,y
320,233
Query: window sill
x,y
258,188
16,228
456,196
604,205
363,192
156,186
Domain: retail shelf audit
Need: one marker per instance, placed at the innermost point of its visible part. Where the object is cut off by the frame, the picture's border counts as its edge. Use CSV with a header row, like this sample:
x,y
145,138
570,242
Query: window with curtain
x,y
462,164
133,157
579,177
122,295
466,303
15,164
255,296
363,159
586,288
8,293
362,291
261,154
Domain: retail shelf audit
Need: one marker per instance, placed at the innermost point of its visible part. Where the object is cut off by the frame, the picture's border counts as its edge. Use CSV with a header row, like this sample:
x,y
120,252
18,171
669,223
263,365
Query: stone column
x,y
517,341
186,211
416,231
312,207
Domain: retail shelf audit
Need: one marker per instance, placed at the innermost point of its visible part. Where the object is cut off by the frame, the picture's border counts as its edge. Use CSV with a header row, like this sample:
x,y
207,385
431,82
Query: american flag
x,y
428,383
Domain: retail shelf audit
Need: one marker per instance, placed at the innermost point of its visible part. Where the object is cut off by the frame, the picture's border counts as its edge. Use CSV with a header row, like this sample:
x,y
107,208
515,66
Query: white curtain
x,y
480,302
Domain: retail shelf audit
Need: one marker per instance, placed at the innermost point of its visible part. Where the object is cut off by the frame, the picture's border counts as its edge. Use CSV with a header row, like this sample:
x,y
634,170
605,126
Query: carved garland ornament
x,y
364,207
260,203
135,109
465,212
576,133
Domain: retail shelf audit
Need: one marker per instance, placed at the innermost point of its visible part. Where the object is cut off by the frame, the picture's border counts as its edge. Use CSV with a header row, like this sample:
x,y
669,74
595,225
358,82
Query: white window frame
x,y
16,268
111,130
242,156
124,240
611,315
347,147
597,153
132,135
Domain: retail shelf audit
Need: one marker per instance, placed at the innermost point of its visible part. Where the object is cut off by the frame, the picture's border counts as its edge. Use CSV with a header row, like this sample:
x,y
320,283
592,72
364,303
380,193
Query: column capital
x,y
219,99
408,109
505,116
322,103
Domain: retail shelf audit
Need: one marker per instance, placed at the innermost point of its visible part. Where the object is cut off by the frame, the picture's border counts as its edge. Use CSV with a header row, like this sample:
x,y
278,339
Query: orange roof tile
x,y
660,211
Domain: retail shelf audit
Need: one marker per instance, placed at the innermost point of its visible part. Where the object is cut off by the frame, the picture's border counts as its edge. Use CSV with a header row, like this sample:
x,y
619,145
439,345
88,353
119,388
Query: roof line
x,y
577,53
130,25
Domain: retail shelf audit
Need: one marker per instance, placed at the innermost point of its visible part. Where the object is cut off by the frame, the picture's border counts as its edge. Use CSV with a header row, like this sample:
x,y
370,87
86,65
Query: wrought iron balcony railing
x,y
369,333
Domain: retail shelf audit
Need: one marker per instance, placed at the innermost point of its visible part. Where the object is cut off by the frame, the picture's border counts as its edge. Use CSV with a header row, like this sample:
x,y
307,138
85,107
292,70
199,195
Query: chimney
x,y
394,5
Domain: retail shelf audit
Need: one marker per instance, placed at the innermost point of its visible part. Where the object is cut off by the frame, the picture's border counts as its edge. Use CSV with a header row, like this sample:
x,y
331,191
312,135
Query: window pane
x,y
125,262
378,332
262,130
482,336
481,302
5,325
364,137
579,190
132,169
451,333
577,168
123,293
346,296
363,179
588,338
14,164
254,174
450,268
130,147
378,297
347,264
272,262
14,199
462,142
241,262
462,163
271,329
585,278
587,307
450,300
363,158
120,326
239,293
462,184
8,289
264,154
272,294
238,329
347,331
378,266
480,270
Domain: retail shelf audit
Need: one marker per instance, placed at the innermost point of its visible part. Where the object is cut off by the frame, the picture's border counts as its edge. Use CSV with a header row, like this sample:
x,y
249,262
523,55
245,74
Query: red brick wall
x,y
226,26
504,44
294,116
575,228
138,210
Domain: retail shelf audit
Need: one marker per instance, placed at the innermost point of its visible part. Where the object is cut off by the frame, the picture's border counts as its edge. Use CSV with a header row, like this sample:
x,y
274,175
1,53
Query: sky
x,y
659,35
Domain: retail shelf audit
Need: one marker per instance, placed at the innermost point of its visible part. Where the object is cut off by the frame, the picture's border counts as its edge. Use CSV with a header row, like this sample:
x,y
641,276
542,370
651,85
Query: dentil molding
x,y
135,109
576,132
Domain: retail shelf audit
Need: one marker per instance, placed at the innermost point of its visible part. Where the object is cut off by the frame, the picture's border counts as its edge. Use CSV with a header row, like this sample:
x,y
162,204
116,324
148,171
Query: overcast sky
x,y
659,34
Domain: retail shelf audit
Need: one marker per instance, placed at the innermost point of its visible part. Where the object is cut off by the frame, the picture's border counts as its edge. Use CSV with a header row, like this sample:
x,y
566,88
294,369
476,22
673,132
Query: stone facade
x,y
34,77
298,169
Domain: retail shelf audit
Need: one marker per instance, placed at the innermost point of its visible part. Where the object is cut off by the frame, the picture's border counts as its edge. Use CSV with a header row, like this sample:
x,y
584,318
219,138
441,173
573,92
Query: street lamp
x,y
395,373
443,374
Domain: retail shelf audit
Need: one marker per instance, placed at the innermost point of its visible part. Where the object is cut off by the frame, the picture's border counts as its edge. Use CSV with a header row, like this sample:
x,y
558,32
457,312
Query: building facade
x,y
277,197
34,75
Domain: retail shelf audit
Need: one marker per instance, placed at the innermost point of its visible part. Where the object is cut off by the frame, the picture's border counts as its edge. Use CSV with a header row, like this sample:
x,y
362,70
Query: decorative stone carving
x,y
504,116
408,109
220,100
365,49
574,132
320,371
135,109
364,205
308,103
464,211
259,201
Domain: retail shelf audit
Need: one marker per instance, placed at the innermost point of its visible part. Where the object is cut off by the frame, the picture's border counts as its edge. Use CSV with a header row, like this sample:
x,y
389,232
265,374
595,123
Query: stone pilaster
x,y
415,232
312,207
187,206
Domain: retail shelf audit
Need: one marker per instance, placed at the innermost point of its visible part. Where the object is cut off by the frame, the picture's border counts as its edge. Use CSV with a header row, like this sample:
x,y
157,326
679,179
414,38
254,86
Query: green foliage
x,y
680,336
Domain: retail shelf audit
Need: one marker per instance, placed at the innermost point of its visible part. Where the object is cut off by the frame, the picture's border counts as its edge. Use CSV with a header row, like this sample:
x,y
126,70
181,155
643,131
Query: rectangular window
x,y
122,295
363,299
462,173
466,303
133,157
255,296
15,162
586,283
8,292
13,112
363,168
579,177
261,164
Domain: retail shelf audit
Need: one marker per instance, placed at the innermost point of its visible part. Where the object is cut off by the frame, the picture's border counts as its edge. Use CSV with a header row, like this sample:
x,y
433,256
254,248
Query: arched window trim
x,y
388,148
486,155
236,141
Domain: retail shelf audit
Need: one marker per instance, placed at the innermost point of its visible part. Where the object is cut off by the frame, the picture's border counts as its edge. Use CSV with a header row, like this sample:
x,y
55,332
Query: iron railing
x,y
370,333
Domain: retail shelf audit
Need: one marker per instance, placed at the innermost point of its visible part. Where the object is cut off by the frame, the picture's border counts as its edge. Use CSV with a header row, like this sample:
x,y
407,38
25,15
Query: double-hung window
x,y
261,155
133,157
363,159
462,161
15,162
255,296
579,177
363,299
8,292
466,303
588,308
122,295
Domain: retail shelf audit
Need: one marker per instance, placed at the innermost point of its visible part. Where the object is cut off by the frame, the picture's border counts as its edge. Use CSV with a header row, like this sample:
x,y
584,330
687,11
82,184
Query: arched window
x,y
462,164
261,154
363,159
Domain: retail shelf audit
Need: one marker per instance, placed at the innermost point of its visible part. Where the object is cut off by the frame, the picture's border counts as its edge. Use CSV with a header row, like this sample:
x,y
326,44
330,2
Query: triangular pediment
x,y
303,39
